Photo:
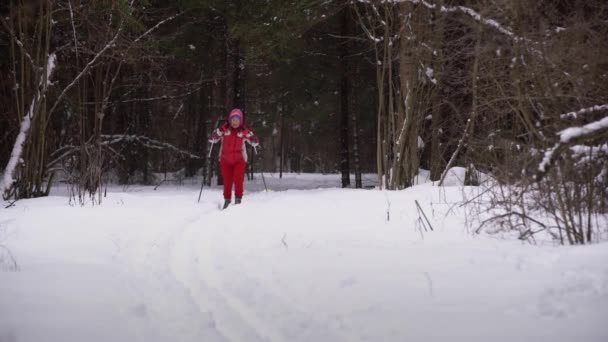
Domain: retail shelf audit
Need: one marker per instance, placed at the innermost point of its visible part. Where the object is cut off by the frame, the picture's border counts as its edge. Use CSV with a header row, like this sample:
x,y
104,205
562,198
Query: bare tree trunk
x,y
282,141
358,181
274,149
389,125
344,112
407,159
436,156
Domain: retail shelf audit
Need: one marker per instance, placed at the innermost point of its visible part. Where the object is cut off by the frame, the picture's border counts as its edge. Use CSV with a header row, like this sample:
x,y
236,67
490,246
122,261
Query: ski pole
x,y
203,181
261,172
210,149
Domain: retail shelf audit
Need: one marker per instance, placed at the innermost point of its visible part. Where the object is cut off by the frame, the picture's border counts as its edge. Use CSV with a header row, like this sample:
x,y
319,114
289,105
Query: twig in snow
x,y
388,208
11,204
420,211
13,266
418,224
159,184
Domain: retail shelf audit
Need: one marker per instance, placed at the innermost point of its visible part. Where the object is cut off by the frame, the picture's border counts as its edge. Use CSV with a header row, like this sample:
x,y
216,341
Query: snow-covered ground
x,y
312,263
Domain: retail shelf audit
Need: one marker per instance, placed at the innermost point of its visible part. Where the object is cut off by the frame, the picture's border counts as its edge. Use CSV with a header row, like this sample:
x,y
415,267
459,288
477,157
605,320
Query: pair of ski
x,y
223,206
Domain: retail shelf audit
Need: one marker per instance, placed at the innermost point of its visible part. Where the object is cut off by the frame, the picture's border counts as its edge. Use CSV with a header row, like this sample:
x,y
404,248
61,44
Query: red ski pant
x,y
233,172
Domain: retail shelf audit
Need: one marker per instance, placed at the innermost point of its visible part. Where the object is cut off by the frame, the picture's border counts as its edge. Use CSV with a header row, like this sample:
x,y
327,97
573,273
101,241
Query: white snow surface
x,y
311,263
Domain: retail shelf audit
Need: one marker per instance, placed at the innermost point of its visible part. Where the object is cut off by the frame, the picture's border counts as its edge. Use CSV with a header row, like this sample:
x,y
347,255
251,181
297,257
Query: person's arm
x,y
218,134
252,139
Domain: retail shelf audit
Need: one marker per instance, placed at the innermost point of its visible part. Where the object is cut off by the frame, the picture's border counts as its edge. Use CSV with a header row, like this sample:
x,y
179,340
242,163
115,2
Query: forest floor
x,y
305,261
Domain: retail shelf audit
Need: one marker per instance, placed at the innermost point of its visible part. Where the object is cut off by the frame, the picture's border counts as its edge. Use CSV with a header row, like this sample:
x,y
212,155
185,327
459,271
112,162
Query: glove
x,y
216,136
252,139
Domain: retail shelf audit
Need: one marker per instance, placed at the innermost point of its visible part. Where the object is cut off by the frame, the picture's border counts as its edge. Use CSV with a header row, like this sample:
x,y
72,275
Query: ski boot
x,y
226,203
238,200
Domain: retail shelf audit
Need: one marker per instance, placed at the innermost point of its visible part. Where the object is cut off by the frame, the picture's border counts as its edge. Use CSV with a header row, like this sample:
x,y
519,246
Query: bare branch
x,y
20,44
85,70
147,142
153,28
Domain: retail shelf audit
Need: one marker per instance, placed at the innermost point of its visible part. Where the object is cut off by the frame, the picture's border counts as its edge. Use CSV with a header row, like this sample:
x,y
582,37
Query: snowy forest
x,y
388,103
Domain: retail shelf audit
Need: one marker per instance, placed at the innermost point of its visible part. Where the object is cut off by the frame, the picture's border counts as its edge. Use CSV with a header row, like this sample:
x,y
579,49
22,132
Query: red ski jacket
x,y
233,140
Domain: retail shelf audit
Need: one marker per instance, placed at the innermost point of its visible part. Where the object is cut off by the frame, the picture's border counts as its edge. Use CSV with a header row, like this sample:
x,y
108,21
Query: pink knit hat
x,y
236,113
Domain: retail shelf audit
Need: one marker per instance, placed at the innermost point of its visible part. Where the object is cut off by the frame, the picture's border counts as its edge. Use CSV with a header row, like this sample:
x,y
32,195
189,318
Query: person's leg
x,y
239,175
228,175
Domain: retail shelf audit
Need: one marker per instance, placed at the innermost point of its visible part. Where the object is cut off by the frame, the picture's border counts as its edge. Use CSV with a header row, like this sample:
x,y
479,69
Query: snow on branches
x,y
492,23
573,134
7,178
146,142
576,114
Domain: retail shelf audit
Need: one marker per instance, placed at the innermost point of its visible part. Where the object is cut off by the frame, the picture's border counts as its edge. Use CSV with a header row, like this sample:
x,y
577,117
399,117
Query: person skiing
x,y
233,155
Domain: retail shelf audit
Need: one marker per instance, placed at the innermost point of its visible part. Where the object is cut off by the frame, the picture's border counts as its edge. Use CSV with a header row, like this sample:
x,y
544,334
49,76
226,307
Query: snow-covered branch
x,y
147,142
471,13
574,115
584,150
7,178
569,135
475,15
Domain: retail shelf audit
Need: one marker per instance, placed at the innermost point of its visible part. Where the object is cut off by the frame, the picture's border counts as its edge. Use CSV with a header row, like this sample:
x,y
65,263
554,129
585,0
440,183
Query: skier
x,y
233,155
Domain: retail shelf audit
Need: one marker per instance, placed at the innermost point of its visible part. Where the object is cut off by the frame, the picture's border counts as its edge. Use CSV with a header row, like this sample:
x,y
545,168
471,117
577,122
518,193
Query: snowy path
x,y
297,265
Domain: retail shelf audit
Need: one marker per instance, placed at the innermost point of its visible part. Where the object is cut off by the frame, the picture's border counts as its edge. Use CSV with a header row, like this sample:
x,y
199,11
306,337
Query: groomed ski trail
x,y
192,265
194,262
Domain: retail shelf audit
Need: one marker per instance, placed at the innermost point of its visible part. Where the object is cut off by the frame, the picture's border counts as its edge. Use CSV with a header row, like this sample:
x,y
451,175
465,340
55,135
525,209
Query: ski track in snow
x,y
243,295
233,320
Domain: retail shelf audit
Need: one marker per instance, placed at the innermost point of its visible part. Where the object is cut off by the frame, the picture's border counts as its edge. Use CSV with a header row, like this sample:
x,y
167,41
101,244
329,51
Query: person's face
x,y
235,122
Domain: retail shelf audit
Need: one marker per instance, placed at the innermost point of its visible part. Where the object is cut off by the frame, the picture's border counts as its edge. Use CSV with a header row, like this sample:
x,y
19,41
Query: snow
x,y
547,158
420,143
311,263
51,62
583,150
429,73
